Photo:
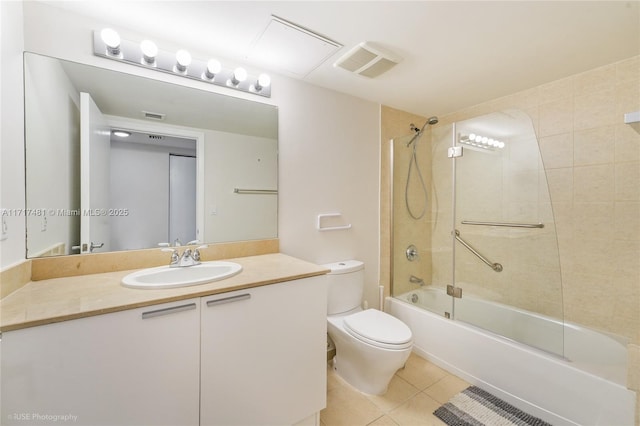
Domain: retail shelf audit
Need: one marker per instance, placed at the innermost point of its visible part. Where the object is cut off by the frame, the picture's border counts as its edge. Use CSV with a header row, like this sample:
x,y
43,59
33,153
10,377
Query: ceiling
x,y
454,54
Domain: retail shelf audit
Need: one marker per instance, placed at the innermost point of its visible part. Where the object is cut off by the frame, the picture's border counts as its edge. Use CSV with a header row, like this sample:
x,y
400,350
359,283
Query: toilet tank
x,y
345,286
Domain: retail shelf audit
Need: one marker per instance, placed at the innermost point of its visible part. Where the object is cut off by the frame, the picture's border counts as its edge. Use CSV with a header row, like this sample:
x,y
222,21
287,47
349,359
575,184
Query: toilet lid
x,y
378,328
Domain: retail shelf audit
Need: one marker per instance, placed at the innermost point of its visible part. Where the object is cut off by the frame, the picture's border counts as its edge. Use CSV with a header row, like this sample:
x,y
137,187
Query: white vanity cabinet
x,y
263,354
134,367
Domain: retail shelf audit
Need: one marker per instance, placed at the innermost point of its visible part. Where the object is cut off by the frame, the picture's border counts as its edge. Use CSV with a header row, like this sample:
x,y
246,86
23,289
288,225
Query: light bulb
x,y
500,145
149,51
121,133
239,75
112,39
213,67
478,138
485,140
263,81
183,60
472,136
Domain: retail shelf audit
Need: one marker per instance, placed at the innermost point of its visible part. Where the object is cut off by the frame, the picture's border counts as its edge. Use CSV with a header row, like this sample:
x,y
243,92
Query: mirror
x,y
194,164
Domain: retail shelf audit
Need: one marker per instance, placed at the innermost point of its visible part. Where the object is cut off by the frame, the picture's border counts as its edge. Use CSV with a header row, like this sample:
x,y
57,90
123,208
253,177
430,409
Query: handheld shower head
x,y
430,121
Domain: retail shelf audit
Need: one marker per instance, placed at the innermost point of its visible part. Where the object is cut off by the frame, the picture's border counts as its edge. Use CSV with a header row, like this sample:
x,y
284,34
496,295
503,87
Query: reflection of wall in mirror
x,y
53,175
246,162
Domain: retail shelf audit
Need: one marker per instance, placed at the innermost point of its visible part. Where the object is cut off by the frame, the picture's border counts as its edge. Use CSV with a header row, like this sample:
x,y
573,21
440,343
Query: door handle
x,y
167,311
229,299
95,246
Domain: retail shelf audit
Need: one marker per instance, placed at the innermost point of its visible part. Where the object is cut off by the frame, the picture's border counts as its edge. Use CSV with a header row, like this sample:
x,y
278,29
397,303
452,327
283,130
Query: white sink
x,y
167,277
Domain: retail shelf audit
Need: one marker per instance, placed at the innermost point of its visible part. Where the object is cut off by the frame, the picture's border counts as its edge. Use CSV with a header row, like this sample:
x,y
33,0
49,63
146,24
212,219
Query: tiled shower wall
x,y
592,162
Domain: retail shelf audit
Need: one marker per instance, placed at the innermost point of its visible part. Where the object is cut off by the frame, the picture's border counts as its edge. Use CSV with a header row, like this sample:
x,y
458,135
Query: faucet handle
x,y
190,243
196,252
174,255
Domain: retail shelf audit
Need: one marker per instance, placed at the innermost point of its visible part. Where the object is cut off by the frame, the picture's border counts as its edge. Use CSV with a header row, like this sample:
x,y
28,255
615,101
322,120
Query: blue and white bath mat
x,y
475,407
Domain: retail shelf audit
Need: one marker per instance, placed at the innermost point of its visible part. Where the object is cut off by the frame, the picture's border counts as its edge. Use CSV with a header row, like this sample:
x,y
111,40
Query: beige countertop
x,y
61,299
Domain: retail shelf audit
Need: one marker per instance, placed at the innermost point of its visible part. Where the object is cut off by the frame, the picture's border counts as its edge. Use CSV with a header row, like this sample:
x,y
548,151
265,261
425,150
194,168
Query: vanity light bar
x,y
482,142
108,44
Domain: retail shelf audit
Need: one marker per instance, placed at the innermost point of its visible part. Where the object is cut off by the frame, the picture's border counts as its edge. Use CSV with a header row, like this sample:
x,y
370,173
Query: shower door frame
x,y
454,290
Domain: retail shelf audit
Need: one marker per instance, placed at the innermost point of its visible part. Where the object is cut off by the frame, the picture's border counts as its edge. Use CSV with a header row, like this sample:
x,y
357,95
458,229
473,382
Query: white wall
x,y
329,163
12,249
53,156
328,145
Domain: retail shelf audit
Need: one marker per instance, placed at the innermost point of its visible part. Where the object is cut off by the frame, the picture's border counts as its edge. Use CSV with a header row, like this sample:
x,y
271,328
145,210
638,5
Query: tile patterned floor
x,y
414,393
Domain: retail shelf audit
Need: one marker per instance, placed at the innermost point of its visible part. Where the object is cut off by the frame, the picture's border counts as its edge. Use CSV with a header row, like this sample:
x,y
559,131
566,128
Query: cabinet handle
x,y
229,299
167,311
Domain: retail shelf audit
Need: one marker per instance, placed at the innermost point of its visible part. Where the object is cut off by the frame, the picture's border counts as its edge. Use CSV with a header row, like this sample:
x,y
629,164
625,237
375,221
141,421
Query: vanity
x,y
246,350
78,346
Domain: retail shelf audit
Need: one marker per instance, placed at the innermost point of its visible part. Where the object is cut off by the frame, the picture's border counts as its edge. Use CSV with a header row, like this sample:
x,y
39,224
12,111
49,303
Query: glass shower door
x,y
506,257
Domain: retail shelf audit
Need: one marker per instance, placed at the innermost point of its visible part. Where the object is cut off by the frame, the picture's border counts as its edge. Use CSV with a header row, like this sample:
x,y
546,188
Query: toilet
x,y
370,344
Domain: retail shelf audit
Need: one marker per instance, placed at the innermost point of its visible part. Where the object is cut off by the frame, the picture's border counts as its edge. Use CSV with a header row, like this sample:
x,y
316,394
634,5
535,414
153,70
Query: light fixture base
x,y
165,61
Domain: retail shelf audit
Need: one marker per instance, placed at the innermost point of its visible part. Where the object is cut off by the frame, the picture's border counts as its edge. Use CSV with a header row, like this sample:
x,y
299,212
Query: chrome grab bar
x,y
254,191
509,224
495,266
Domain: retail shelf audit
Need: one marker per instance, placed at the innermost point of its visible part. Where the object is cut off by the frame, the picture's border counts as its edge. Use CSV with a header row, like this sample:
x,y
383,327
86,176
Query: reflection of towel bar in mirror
x,y
330,228
254,191
511,225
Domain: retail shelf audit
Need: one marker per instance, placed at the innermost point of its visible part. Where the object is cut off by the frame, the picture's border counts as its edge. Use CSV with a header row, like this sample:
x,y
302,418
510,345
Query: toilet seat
x,y
378,329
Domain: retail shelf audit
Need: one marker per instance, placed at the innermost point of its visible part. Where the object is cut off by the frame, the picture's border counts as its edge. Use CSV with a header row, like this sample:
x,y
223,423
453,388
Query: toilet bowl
x,y
370,344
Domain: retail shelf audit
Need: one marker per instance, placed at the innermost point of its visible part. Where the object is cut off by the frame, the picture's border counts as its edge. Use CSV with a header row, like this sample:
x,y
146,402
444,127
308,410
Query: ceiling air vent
x,y
155,137
153,115
367,60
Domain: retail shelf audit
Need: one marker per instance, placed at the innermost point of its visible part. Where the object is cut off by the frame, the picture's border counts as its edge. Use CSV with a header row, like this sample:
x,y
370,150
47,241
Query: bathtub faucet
x,y
415,280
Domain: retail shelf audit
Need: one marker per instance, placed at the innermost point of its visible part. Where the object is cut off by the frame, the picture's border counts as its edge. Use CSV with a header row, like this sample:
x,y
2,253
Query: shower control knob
x,y
412,253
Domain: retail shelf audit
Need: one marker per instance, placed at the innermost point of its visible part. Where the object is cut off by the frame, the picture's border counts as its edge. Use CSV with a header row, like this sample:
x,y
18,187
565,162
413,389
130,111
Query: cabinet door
x,y
263,358
136,367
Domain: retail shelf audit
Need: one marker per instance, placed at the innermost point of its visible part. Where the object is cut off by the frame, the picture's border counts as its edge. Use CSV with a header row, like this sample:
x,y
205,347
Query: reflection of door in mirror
x,y
143,177
95,147
182,198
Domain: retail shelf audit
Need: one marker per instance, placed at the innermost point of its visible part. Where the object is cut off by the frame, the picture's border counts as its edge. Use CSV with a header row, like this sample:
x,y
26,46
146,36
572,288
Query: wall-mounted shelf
x,y
320,226
633,119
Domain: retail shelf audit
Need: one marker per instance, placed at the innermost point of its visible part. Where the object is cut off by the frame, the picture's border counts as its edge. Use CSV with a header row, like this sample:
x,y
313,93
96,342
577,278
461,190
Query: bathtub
x,y
565,374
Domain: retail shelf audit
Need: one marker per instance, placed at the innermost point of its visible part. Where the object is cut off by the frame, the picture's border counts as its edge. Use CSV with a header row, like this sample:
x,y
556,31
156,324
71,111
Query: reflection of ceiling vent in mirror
x,y
153,115
367,60
155,137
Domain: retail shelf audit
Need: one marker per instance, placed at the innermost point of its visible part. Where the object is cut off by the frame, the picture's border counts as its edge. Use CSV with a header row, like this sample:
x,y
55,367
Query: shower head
x,y
430,121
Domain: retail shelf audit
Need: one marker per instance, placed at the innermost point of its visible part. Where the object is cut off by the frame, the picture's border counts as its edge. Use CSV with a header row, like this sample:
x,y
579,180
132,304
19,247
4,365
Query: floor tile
x,y
414,393
399,391
446,388
383,421
420,372
418,411
346,406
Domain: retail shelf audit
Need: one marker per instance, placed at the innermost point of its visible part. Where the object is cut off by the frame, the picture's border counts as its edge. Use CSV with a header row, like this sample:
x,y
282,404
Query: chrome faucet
x,y
188,257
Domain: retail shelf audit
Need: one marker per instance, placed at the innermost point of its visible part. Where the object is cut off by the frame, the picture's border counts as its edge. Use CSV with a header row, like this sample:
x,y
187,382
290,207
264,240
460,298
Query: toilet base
x,y
367,369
